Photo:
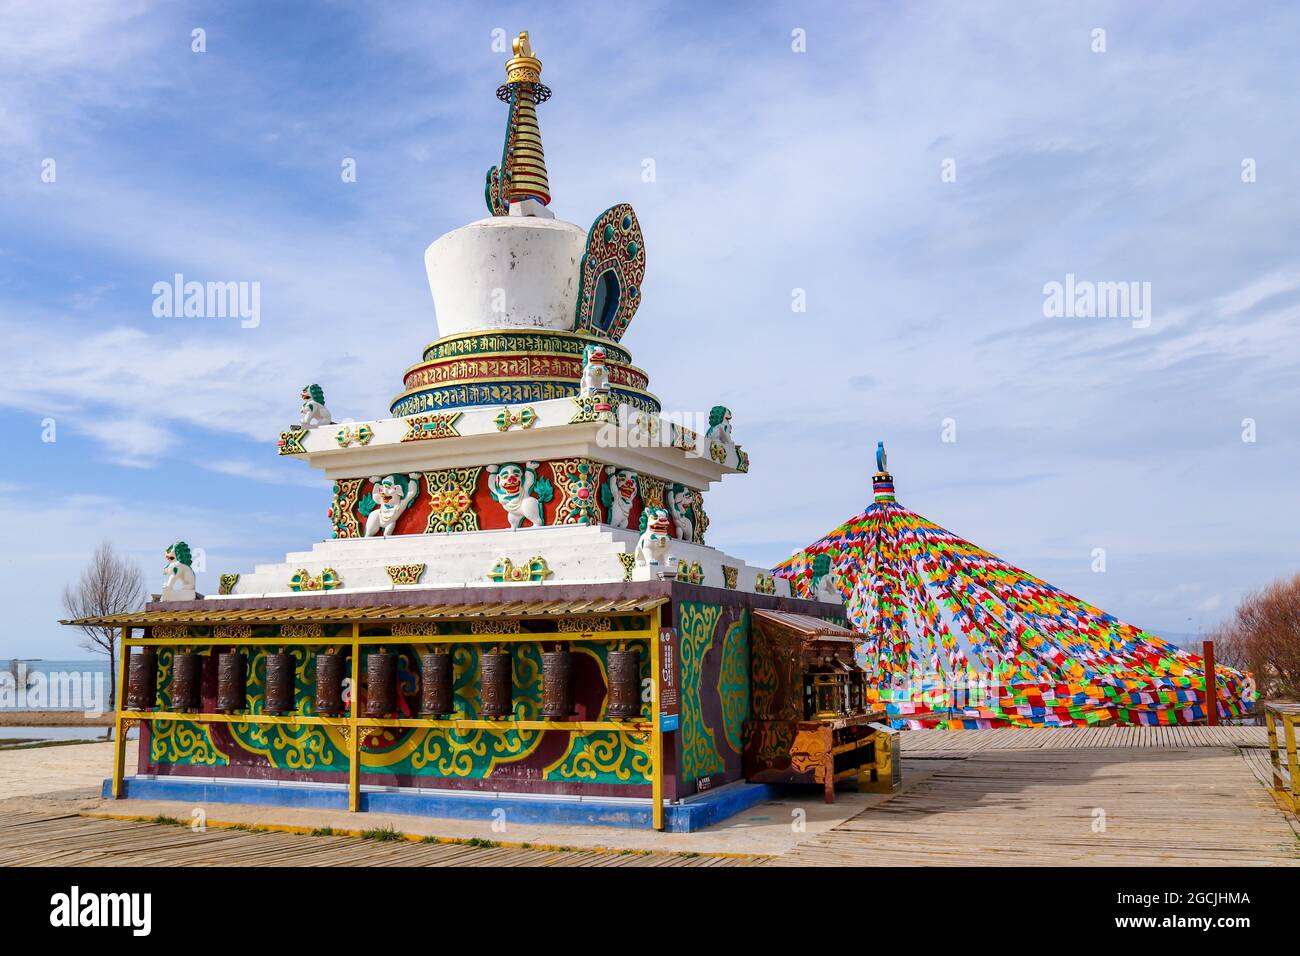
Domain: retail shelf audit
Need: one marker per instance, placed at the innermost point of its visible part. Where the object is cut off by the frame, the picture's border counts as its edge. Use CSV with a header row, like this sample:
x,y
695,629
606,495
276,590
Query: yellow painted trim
x,y
573,726
656,732
119,739
354,738
534,637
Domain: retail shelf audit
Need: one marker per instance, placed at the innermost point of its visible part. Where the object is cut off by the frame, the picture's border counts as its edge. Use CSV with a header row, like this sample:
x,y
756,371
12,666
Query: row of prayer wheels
x,y
437,699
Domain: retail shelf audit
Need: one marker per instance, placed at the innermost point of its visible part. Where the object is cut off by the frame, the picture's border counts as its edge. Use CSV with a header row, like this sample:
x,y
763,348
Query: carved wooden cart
x,y
809,723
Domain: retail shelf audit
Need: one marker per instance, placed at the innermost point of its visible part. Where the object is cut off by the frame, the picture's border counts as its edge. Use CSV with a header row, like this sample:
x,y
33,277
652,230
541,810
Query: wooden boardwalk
x,y
917,743
39,839
1036,807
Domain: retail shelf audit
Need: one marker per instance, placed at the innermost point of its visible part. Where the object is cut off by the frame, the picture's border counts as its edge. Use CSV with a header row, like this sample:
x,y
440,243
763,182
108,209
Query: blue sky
x,y
775,170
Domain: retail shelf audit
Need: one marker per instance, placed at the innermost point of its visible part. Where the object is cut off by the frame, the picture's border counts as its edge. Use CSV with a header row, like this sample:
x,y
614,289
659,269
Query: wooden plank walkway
x,y
1036,807
42,839
955,742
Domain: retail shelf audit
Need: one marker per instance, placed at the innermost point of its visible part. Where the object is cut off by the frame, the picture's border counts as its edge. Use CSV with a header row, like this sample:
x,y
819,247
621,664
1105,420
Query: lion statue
x,y
720,425
314,411
656,538
595,377
178,576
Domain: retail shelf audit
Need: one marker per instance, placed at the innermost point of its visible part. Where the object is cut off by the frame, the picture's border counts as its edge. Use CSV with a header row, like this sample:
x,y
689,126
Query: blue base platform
x,y
694,814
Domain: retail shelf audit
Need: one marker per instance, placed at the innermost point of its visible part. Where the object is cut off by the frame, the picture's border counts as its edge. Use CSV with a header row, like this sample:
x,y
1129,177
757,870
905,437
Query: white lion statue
x,y
656,538
595,377
391,496
720,425
178,576
314,411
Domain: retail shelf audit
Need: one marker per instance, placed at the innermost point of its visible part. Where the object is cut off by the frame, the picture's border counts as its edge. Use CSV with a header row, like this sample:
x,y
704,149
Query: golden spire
x,y
522,173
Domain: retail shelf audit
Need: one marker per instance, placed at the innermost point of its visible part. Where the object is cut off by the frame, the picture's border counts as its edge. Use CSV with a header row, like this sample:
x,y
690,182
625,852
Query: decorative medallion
x,y
578,480
611,272
506,572
347,435
451,499
290,442
652,491
327,580
718,452
301,632
170,632
431,426
765,584
729,577
404,573
742,460
227,583
584,625
236,632
524,418
690,571
629,562
343,509
411,629
684,438
495,627
587,411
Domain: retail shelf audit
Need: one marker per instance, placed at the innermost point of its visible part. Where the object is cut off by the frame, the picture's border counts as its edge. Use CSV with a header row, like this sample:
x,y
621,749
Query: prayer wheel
x,y
436,698
142,679
232,687
381,684
329,684
279,683
494,691
557,684
187,682
624,669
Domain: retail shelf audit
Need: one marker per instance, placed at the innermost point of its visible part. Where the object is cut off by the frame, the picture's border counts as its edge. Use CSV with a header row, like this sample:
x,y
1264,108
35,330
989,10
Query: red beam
x,y
1211,685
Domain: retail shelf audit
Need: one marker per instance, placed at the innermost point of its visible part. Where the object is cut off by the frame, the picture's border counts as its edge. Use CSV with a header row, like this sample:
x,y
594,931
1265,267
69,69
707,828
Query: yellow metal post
x,y
1292,761
1271,722
119,731
354,738
656,731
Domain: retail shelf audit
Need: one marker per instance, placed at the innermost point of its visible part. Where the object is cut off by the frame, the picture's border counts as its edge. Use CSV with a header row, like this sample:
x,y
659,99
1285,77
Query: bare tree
x,y
1263,636
110,584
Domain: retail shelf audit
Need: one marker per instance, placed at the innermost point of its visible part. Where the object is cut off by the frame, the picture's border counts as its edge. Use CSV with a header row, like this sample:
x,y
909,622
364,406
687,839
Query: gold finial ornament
x,y
523,67
522,173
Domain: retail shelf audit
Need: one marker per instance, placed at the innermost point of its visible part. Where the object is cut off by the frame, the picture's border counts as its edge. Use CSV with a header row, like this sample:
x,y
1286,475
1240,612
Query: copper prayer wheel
x,y
279,683
436,698
141,679
624,669
381,684
329,684
494,692
557,684
232,687
187,682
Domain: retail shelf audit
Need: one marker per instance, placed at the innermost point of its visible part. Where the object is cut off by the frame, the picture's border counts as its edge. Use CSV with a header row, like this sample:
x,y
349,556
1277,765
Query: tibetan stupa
x,y
515,597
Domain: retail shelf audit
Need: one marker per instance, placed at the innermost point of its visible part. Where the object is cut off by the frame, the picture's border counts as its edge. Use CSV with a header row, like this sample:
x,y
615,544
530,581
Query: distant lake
x,y
54,685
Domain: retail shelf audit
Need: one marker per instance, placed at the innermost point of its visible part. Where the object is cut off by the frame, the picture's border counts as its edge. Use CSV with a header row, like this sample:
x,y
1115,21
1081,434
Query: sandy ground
x,y
52,718
68,778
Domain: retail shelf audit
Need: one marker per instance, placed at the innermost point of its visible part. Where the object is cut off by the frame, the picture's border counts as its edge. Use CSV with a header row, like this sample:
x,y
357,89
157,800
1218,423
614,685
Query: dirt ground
x,y
52,718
